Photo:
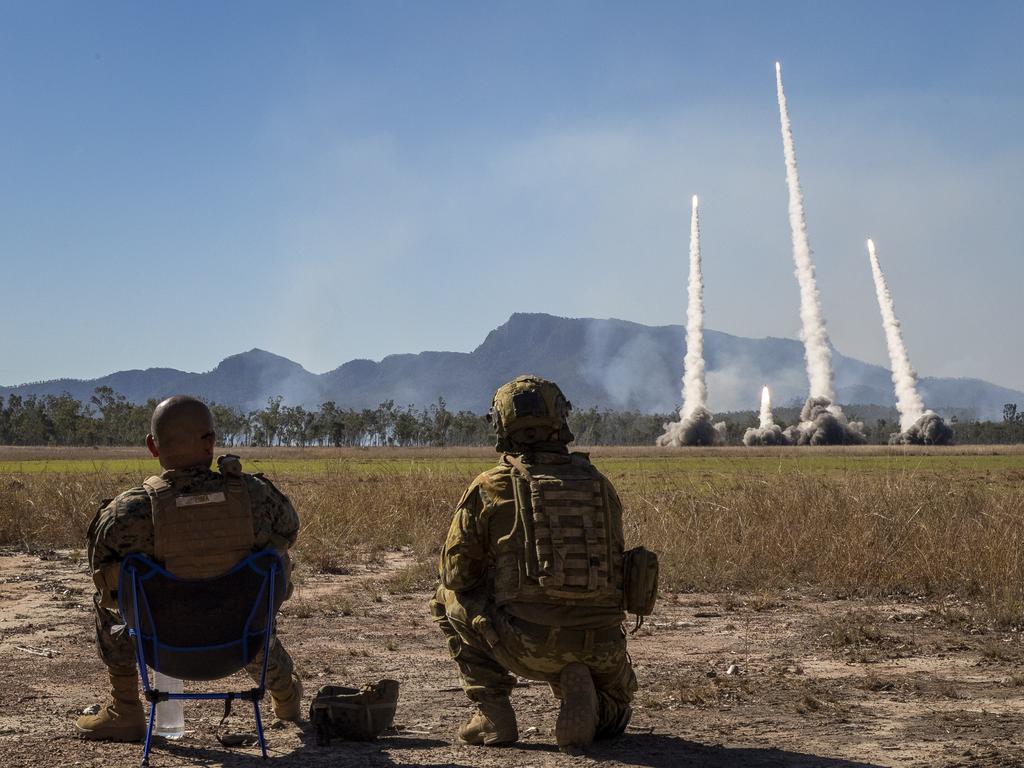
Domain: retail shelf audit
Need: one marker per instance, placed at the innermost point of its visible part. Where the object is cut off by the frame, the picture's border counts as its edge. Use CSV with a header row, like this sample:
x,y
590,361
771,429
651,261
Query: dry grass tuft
x,y
851,535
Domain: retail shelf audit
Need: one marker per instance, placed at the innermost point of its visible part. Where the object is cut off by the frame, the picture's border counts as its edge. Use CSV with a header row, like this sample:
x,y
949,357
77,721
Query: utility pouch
x,y
483,626
106,581
639,583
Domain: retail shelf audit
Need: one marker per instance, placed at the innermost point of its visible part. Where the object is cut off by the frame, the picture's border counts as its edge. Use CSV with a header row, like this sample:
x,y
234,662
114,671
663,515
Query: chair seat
x,y
202,629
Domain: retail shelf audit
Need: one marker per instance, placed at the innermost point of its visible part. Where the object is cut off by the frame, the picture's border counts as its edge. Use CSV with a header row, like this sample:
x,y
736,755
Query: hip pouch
x,y
640,583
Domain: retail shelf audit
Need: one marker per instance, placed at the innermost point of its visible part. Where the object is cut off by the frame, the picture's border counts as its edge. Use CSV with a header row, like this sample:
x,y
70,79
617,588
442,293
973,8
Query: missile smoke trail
x,y
694,426
813,332
767,432
766,418
908,401
917,426
695,392
822,421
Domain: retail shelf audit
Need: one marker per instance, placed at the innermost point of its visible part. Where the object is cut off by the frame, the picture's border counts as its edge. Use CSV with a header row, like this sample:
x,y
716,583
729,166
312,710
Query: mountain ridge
x,y
607,363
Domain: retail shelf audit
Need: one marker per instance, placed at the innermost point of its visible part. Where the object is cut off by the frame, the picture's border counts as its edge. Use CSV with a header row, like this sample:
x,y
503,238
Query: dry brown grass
x,y
846,533
857,535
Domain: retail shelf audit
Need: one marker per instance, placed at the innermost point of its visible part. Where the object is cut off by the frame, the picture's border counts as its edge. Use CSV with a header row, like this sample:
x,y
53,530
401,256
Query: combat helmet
x,y
529,410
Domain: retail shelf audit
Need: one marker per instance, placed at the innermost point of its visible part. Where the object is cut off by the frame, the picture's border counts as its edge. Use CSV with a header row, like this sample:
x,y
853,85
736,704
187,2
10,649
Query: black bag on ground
x,y
353,714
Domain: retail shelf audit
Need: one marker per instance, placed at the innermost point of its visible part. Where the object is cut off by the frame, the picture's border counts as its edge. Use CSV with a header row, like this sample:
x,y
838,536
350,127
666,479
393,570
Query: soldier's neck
x,y
186,469
540,452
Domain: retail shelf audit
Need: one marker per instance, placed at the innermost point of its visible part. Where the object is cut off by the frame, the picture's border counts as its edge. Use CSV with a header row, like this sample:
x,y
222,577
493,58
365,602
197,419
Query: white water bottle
x,y
170,715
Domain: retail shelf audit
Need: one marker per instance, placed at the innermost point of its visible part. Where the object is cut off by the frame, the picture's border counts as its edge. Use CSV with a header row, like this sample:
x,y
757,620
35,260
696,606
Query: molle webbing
x,y
200,535
565,518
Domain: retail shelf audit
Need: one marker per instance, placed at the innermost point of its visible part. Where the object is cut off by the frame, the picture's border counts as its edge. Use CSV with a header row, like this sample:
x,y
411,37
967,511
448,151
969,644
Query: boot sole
x,y
577,717
97,736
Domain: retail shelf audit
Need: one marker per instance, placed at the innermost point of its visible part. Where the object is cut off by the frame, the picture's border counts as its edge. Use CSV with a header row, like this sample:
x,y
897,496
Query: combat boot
x,y
122,718
577,716
287,703
492,725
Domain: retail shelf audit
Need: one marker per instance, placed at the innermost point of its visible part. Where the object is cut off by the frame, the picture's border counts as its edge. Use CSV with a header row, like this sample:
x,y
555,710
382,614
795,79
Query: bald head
x,y
182,433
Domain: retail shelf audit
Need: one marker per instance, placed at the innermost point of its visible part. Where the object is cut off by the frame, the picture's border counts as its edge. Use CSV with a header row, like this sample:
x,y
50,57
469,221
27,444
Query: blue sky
x,y
183,181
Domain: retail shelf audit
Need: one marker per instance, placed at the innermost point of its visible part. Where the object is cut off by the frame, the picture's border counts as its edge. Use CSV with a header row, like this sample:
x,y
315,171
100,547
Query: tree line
x,y
108,418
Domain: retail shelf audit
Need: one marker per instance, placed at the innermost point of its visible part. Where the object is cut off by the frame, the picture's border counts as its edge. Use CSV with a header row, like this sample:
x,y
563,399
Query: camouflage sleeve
x,y
123,526
464,557
277,522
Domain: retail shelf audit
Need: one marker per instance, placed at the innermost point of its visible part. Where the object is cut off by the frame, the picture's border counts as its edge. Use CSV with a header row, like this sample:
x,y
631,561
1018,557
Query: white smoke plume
x,y
917,426
765,418
908,401
694,426
812,332
767,432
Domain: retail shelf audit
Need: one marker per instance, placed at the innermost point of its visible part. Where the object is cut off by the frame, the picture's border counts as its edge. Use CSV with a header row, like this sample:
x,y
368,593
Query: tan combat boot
x,y
492,725
288,703
577,717
123,718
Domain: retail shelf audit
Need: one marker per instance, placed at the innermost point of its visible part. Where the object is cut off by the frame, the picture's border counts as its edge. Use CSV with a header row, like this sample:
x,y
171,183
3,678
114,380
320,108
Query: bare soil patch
x,y
814,681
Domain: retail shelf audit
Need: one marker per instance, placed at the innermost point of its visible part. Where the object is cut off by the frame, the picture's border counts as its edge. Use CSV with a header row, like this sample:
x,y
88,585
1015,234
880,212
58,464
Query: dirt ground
x,y
787,679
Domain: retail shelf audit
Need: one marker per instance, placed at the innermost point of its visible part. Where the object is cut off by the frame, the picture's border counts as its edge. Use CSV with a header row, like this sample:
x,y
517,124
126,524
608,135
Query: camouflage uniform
x,y
490,642
125,525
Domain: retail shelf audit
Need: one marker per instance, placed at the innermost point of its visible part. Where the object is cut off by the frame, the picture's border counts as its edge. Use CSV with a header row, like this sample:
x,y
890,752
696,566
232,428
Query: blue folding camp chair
x,y
201,629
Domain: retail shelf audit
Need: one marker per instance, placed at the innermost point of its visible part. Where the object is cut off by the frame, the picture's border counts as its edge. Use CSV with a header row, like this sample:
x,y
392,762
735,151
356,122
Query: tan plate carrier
x,y
200,535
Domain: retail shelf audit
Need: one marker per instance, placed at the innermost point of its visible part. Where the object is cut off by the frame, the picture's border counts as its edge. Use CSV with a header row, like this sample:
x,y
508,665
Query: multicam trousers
x,y
490,654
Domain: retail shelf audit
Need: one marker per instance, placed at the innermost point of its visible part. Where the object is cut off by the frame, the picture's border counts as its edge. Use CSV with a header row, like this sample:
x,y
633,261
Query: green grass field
x,y
986,465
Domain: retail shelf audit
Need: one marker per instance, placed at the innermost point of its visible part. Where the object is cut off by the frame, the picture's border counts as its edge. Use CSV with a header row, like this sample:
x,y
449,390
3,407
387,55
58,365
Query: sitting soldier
x,y
198,524
532,578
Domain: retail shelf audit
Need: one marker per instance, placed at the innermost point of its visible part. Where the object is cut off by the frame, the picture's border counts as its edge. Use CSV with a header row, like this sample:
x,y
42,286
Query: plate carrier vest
x,y
562,550
201,535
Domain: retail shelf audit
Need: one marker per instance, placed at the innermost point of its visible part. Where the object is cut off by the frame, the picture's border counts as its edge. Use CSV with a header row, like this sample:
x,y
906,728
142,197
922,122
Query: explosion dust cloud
x,y
695,426
822,423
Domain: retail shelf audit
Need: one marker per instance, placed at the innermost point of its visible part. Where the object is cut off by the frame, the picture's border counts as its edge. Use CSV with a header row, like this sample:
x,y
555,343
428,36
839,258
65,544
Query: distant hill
x,y
606,363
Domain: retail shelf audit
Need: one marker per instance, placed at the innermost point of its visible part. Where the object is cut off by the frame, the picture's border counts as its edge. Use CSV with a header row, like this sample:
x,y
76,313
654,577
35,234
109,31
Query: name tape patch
x,y
196,499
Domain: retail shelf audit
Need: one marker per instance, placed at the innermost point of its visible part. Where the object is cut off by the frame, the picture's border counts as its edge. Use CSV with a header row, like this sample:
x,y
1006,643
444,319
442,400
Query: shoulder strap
x,y
518,465
156,485
161,501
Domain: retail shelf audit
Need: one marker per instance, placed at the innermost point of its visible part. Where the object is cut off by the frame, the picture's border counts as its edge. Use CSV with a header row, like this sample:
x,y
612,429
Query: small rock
x,y
732,670
92,709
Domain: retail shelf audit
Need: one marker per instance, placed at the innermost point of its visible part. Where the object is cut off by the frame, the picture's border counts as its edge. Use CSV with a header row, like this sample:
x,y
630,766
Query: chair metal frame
x,y
135,570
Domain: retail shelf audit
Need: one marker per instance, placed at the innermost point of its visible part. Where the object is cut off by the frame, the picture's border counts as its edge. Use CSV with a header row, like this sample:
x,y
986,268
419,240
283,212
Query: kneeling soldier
x,y
532,578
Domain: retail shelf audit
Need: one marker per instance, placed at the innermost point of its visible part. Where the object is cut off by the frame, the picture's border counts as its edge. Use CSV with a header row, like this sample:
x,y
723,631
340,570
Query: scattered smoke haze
x,y
695,426
767,432
823,422
917,426
633,372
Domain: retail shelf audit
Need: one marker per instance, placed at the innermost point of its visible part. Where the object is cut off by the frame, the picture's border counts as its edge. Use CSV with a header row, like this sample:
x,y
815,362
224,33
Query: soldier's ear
x,y
151,444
